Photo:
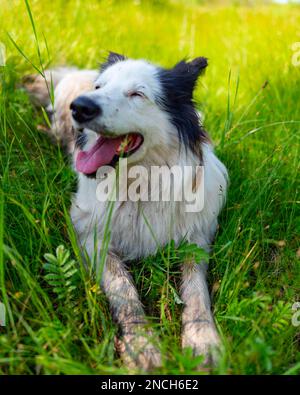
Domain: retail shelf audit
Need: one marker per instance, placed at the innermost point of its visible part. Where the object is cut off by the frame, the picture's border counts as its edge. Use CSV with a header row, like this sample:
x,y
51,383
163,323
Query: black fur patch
x,y
178,85
92,175
112,58
81,140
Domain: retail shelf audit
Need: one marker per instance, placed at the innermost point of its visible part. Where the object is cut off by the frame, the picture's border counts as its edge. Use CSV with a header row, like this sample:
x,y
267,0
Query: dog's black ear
x,y
180,81
193,68
187,74
112,58
176,99
199,64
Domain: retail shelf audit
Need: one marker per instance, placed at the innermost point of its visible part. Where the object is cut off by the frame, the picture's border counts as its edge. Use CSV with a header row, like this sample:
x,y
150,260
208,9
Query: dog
x,y
92,114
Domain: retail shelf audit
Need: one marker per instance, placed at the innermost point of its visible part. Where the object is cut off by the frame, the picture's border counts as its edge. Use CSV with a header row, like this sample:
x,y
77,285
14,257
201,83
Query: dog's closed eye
x,y
98,86
133,94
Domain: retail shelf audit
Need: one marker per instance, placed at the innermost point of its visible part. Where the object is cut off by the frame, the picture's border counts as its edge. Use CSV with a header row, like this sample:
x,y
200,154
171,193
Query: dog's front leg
x,y
198,327
135,346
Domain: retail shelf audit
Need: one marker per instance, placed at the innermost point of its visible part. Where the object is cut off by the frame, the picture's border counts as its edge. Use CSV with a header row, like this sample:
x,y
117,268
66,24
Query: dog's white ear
x,y
112,58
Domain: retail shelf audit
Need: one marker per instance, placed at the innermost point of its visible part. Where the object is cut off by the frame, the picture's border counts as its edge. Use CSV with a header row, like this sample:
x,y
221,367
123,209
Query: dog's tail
x,y
66,84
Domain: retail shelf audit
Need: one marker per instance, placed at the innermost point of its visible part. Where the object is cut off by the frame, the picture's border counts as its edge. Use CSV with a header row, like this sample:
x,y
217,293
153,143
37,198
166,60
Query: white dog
x,y
149,111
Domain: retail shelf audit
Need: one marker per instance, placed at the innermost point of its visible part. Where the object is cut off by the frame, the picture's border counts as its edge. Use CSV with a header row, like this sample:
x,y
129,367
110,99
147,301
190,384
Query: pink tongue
x,y
102,153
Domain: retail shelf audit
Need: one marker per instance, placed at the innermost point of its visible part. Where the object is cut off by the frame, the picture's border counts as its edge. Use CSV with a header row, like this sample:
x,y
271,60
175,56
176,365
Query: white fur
x,y
122,114
131,236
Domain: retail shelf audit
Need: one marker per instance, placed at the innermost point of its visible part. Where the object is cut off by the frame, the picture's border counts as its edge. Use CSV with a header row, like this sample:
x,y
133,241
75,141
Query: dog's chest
x,y
136,229
140,228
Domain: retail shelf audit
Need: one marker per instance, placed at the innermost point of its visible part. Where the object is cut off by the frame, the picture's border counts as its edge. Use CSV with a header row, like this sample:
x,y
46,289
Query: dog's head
x,y
136,108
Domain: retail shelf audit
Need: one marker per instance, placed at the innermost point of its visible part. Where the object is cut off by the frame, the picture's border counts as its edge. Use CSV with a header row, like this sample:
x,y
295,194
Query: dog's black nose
x,y
84,109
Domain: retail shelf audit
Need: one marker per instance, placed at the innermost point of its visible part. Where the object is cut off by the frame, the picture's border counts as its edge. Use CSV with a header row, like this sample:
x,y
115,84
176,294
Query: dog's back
x,y
67,83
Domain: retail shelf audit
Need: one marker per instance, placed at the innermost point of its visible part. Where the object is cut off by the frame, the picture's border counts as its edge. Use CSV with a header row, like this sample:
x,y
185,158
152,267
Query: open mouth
x,y
107,151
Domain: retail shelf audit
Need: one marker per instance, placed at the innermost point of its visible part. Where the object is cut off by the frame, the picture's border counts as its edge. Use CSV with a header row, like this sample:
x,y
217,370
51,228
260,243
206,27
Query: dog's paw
x,y
137,352
203,339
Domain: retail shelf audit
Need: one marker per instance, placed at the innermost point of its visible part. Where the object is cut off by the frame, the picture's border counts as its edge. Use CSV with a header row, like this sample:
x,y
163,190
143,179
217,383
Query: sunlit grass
x,y
250,99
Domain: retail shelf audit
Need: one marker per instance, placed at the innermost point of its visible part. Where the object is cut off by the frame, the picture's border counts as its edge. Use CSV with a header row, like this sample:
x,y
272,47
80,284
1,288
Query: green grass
x,y
250,98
